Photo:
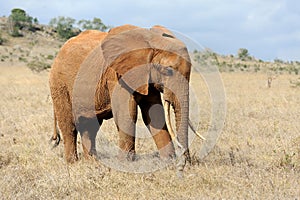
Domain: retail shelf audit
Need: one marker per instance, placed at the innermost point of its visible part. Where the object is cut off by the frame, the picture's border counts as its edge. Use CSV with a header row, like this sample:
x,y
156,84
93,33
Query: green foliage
x,y
19,20
277,60
95,24
35,20
64,26
295,83
66,29
50,57
22,59
243,53
256,68
38,66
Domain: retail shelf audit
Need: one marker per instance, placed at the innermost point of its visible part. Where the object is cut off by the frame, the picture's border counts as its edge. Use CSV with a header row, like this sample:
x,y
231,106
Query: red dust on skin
x,y
89,74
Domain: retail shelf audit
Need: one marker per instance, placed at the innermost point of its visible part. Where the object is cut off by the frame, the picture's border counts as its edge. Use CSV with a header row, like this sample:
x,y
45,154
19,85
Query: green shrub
x,y
256,68
64,27
243,53
95,24
277,60
38,66
50,57
22,59
295,83
19,20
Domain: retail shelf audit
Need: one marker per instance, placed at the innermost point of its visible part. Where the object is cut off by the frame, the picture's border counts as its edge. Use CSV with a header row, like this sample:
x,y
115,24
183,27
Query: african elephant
x,y
130,63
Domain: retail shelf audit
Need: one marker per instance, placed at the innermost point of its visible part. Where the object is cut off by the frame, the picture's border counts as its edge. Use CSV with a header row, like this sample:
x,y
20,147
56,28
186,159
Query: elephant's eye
x,y
167,71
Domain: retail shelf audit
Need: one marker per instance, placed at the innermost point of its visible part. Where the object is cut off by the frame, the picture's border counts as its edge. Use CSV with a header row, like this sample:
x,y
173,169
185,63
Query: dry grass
x,y
257,156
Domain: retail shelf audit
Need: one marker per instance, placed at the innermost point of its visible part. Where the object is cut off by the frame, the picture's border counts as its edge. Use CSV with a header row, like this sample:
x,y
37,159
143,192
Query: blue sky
x,y
269,29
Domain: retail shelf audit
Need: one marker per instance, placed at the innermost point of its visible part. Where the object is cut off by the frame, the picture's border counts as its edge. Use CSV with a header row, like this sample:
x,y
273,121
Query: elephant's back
x,y
71,56
76,49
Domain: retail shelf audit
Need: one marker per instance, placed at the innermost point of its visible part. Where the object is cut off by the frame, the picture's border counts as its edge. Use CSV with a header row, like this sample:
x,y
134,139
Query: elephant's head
x,y
153,56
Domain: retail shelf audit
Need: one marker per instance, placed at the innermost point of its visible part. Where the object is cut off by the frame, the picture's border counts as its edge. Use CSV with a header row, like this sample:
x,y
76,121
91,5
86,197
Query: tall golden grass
x,y
256,157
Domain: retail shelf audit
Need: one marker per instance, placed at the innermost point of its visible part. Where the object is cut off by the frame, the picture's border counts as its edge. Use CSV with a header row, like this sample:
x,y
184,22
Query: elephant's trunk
x,y
181,108
179,99
167,113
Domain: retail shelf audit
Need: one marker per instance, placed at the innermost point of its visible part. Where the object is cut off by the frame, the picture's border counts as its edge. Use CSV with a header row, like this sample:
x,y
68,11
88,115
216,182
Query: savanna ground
x,y
257,155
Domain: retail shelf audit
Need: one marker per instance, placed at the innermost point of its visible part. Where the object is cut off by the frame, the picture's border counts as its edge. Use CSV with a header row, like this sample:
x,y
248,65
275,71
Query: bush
x,y
64,27
243,54
295,83
50,57
277,60
22,59
19,20
95,24
38,66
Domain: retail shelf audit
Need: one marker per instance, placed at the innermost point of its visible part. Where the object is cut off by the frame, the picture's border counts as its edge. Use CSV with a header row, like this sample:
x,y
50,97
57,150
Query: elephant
x,y
101,75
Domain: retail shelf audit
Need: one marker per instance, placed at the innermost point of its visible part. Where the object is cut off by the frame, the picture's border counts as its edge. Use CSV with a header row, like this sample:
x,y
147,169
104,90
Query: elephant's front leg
x,y
124,109
154,119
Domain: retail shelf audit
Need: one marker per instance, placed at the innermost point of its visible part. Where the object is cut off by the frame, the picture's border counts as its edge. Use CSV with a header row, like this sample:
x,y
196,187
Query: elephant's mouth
x,y
159,87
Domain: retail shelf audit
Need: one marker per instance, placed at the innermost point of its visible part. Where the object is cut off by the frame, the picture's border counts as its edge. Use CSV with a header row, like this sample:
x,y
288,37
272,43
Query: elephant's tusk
x,y
168,119
168,123
194,130
169,126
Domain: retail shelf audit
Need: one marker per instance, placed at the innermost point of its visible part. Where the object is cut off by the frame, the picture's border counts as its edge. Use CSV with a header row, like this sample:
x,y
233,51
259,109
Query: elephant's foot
x,y
127,147
89,149
90,154
167,152
183,158
126,155
70,153
164,144
71,158
70,147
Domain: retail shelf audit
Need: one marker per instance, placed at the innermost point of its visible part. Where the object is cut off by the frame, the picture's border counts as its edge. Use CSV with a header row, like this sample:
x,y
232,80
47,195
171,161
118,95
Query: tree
x,y
95,24
35,20
243,53
64,26
18,20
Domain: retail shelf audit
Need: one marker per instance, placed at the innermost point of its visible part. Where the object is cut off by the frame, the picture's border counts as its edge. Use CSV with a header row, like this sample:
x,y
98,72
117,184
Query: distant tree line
x,y
65,27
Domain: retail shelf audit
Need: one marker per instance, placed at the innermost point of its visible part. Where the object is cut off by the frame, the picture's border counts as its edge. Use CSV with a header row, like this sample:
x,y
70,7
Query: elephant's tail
x,y
56,135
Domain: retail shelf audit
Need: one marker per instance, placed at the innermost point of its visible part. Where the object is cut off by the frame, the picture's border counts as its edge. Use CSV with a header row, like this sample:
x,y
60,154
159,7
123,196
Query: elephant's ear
x,y
129,51
137,79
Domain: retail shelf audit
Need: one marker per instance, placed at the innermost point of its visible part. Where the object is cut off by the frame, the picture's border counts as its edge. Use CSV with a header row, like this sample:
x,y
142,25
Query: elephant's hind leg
x,y
88,129
70,146
63,112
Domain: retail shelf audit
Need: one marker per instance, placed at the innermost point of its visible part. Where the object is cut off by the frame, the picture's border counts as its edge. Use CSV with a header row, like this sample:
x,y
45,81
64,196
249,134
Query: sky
x,y
269,29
